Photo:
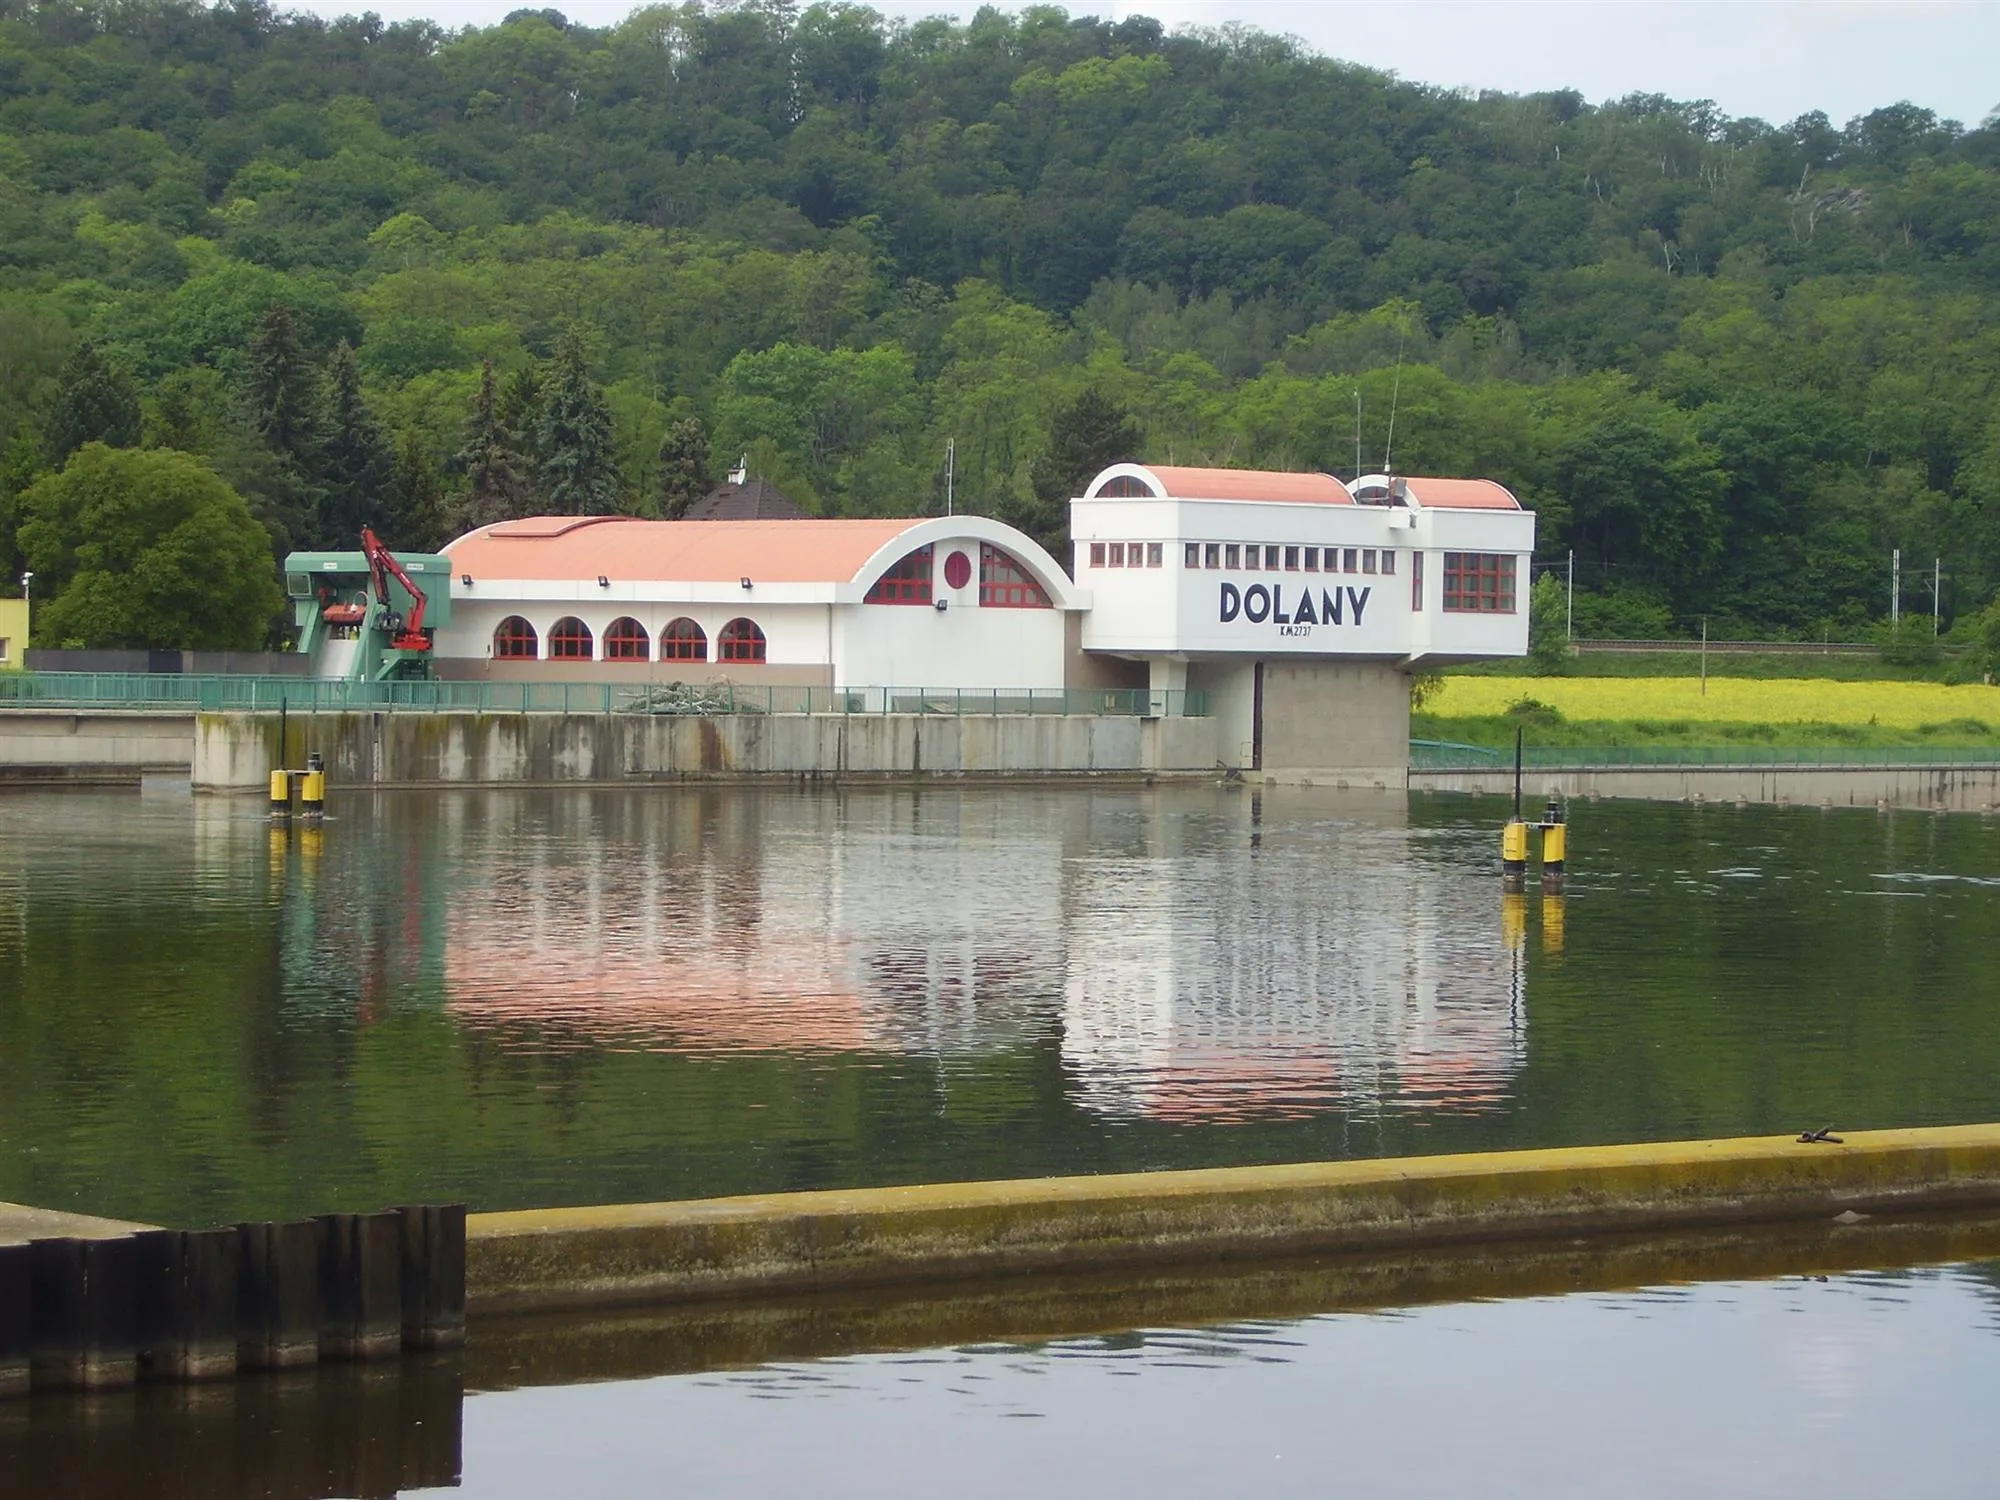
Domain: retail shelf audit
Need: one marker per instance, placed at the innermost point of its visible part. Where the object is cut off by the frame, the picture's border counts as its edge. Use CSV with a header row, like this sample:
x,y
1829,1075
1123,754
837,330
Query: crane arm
x,y
382,566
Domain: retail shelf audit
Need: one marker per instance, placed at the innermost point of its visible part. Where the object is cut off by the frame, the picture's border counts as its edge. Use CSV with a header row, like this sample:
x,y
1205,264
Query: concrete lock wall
x,y
1944,788
236,752
59,745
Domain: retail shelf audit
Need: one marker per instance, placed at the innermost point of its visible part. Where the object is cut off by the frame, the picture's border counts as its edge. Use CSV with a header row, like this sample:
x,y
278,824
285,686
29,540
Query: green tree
x,y
683,467
1548,641
145,548
576,472
96,402
357,468
422,520
282,391
1086,435
496,487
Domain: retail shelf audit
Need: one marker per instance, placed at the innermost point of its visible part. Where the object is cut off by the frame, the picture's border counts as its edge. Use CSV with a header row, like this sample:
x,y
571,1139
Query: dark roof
x,y
753,500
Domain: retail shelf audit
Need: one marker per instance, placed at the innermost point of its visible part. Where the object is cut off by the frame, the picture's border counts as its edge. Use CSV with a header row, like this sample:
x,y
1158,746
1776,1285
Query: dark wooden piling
x,y
84,1313
16,1304
361,1285
278,1295
188,1319
433,1276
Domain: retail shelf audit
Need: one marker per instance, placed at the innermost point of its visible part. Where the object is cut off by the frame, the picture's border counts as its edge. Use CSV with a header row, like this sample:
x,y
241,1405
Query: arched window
x,y
625,640
1125,487
683,641
1005,584
514,640
909,582
570,640
741,640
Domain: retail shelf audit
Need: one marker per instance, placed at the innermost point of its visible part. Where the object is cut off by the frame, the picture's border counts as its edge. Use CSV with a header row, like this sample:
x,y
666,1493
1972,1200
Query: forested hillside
x,y
424,278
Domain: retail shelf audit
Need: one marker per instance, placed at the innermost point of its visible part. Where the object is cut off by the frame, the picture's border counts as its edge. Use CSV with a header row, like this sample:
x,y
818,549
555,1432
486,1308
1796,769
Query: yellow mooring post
x,y
312,788
1555,843
281,795
1514,855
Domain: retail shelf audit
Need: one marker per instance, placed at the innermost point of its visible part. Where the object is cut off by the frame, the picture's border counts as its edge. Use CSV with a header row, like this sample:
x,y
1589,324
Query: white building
x,y
1292,606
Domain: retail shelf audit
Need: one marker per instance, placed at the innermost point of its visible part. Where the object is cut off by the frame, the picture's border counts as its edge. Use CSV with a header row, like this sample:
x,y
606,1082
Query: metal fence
x,y
1439,755
140,690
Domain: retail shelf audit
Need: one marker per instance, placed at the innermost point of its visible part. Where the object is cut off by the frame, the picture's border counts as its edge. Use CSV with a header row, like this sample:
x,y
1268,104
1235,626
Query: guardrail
x,y
192,694
1438,755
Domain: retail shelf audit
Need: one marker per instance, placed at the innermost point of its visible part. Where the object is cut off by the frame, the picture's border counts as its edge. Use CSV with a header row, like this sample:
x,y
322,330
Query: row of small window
x,y
1254,557
514,639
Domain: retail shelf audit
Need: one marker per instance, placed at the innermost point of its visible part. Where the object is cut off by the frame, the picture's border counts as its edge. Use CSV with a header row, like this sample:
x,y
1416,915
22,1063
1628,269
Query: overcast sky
x,y
1776,59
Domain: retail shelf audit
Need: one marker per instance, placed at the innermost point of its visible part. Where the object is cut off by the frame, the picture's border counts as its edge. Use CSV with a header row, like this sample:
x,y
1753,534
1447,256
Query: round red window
x,y
957,570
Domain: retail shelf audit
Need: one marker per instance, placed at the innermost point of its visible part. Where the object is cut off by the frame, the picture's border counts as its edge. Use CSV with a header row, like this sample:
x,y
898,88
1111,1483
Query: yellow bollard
x,y
1514,855
281,794
1555,842
312,794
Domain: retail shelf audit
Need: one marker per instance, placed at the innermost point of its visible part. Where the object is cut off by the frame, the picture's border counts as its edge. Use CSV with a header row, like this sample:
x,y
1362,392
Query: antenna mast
x,y
1357,434
950,471
1395,394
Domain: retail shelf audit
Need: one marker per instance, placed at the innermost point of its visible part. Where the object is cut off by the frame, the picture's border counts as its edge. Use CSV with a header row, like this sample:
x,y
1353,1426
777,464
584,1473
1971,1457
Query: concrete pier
x,y
20,1224
732,1247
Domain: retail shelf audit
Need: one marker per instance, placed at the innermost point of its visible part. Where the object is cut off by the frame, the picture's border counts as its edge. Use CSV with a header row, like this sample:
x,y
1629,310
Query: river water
x,y
536,998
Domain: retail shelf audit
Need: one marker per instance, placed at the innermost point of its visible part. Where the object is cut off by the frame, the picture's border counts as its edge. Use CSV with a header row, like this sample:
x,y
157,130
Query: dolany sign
x,y
1262,603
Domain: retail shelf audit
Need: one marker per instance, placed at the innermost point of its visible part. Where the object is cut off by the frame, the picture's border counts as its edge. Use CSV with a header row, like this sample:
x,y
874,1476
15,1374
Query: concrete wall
x,y
1945,788
1339,721
236,752
56,745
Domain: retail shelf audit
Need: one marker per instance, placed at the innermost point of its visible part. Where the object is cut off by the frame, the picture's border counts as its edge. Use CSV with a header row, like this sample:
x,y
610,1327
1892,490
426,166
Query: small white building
x,y
951,602
1300,604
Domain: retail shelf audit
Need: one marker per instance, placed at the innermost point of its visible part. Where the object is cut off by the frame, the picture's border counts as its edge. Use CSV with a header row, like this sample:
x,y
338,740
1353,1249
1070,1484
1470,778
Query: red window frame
x,y
1005,584
908,582
683,640
625,639
1479,583
1125,487
1097,554
570,640
741,640
514,639
1417,581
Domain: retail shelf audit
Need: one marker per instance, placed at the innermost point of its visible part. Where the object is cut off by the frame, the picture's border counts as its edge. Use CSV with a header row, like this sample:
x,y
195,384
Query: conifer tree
x,y
357,469
574,465
683,467
422,527
496,486
281,391
95,403
1086,435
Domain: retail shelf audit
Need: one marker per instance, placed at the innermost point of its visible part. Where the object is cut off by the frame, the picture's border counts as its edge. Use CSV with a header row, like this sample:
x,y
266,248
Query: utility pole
x,y
1569,603
1937,589
1896,588
1357,434
950,472
1704,656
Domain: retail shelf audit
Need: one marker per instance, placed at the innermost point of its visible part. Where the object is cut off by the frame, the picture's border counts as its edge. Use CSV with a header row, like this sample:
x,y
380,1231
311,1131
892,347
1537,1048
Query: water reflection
x,y
1186,982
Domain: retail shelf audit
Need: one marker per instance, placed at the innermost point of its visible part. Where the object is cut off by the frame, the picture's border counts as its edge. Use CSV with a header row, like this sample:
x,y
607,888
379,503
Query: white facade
x,y
1341,578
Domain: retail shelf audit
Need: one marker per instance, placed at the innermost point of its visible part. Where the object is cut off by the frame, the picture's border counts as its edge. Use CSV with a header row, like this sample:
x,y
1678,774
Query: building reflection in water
x,y
1183,973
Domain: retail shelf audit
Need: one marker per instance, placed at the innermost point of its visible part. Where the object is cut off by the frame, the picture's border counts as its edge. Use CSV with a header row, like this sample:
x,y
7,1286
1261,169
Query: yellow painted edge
x,y
1221,1181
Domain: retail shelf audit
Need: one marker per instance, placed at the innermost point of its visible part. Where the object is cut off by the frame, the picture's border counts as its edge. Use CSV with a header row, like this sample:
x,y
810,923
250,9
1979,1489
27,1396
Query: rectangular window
x,y
1117,558
1368,560
1097,554
1230,556
1252,554
1417,582
1312,559
1349,561
1389,562
1479,583
1291,559
1191,555
1271,558
1211,555
1155,554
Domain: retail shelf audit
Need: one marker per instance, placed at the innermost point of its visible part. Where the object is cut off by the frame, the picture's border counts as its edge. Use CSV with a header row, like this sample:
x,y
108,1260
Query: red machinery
x,y
404,634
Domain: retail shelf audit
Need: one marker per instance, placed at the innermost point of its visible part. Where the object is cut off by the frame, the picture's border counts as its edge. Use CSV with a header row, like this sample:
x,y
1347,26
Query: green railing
x,y
1437,755
139,690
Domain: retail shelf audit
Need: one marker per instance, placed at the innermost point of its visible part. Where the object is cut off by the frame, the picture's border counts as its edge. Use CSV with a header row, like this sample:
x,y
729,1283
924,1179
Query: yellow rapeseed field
x,y
1892,705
